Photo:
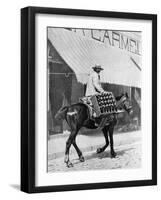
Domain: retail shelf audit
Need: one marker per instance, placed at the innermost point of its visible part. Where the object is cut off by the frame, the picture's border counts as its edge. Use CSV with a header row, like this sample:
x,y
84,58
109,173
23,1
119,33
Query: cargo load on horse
x,y
101,107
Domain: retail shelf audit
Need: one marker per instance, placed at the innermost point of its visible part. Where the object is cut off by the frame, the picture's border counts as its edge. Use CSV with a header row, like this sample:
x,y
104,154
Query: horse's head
x,y
124,103
61,113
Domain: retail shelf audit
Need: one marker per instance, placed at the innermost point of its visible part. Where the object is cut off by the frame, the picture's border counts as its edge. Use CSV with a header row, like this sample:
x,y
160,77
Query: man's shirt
x,y
93,84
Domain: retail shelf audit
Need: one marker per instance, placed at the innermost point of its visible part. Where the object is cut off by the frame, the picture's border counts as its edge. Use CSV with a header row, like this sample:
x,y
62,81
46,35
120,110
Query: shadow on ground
x,y
15,186
105,154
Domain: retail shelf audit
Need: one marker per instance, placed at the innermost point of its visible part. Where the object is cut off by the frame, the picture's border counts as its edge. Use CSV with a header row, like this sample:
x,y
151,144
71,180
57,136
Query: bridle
x,y
123,101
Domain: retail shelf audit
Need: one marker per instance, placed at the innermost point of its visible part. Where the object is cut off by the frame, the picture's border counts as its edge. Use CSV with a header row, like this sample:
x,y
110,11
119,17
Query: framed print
x,y
88,99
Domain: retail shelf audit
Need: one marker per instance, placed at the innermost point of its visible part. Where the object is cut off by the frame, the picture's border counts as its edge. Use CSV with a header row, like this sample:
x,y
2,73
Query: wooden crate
x,y
104,104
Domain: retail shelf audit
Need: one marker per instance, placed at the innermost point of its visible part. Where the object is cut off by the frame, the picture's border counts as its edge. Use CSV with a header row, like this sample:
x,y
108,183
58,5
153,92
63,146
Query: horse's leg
x,y
68,145
105,133
111,129
81,158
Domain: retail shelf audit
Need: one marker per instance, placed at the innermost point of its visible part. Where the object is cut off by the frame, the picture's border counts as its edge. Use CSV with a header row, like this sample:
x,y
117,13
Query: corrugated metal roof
x,y
82,53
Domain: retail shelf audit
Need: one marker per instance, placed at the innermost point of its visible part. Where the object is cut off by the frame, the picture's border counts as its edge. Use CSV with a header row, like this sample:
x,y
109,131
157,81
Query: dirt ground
x,y
128,156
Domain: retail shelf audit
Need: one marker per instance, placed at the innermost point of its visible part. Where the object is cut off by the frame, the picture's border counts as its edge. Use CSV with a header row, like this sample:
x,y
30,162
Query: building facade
x,y
71,55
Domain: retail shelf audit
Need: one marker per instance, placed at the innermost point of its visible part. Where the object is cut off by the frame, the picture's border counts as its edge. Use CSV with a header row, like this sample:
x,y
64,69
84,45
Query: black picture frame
x,y
28,91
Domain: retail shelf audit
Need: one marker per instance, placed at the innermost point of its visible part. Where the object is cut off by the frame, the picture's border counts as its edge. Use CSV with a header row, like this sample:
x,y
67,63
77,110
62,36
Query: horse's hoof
x,y
81,158
113,155
69,164
99,150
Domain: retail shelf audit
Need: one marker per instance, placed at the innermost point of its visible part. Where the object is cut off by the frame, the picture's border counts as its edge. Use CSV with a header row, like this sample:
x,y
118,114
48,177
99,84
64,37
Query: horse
x,y
77,116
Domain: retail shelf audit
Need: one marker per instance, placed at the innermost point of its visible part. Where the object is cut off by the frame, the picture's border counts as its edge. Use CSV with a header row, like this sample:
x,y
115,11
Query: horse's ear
x,y
126,94
117,98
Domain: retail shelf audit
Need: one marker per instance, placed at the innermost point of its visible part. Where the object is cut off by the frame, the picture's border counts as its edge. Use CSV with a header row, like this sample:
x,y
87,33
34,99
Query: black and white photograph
x,y
93,99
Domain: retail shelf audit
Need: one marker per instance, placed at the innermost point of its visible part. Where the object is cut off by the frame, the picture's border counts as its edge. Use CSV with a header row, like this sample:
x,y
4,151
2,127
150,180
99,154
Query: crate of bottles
x,y
104,104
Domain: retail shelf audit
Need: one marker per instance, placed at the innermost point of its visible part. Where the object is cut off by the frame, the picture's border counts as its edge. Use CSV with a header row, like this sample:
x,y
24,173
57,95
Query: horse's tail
x,y
61,114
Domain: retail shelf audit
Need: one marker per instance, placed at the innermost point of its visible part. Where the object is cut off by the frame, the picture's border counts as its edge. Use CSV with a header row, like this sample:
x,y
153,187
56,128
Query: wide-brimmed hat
x,y
97,66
